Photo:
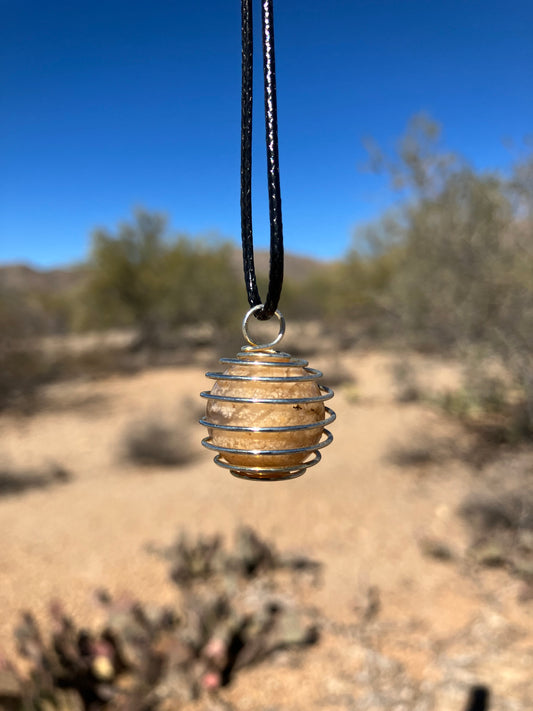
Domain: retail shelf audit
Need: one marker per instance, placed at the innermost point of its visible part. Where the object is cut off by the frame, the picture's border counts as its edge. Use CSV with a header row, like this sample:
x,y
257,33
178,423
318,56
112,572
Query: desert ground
x,y
400,629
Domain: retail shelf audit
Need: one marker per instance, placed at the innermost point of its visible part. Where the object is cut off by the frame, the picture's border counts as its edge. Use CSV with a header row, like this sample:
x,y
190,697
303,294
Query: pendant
x,y
265,414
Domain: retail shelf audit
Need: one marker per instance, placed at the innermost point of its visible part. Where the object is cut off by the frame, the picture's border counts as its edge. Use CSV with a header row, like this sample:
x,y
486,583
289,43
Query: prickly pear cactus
x,y
151,658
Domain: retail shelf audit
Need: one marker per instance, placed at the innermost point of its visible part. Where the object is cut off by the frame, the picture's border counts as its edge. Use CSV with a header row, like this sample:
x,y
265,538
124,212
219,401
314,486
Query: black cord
x,y
275,281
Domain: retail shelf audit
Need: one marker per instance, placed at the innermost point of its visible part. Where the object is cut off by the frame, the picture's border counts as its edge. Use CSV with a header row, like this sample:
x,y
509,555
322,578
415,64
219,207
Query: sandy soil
x,y
448,626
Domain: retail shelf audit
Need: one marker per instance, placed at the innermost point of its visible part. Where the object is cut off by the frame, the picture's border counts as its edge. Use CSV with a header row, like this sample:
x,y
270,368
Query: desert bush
x,y
501,528
498,513
22,366
144,277
450,282
202,284
405,382
484,394
352,290
488,403
510,511
152,442
207,556
22,371
420,451
435,548
412,455
17,481
464,247
95,362
124,281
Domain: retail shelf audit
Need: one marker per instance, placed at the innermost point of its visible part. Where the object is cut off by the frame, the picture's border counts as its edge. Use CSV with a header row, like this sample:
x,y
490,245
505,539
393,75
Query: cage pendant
x,y
266,413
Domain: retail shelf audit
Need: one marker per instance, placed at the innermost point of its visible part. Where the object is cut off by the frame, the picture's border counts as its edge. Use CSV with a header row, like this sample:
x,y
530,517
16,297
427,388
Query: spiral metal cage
x,y
254,356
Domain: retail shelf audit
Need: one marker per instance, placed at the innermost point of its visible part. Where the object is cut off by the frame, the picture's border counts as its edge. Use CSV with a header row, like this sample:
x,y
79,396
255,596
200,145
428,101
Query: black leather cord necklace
x,y
271,127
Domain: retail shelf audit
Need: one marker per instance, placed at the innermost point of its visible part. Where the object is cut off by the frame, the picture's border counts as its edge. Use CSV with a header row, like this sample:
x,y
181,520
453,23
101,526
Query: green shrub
x,y
144,277
464,247
23,367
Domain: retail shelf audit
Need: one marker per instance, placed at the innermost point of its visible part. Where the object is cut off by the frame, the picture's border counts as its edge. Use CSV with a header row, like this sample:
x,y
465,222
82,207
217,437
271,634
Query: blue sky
x,y
106,105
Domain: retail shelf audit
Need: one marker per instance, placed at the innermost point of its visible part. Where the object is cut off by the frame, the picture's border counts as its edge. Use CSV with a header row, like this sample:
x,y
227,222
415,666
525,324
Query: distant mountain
x,y
297,267
23,278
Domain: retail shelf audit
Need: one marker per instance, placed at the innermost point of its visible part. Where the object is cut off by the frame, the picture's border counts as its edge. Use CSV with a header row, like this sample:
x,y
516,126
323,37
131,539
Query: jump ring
x,y
245,333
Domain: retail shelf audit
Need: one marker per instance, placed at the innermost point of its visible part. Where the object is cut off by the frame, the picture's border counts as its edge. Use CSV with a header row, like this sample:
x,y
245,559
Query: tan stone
x,y
265,414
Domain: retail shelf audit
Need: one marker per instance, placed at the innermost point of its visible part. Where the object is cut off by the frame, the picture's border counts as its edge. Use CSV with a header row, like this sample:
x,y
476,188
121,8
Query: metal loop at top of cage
x,y
250,340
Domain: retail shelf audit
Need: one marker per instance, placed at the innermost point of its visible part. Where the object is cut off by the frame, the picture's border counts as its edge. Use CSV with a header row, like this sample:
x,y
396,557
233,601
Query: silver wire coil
x,y
256,356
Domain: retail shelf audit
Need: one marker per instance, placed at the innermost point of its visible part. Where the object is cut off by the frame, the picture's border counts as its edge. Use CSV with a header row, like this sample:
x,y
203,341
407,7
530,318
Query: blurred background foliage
x,y
449,269
145,278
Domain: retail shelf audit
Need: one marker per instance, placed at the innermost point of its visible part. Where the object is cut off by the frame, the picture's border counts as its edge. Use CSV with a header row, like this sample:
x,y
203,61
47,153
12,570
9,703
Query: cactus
x,y
150,658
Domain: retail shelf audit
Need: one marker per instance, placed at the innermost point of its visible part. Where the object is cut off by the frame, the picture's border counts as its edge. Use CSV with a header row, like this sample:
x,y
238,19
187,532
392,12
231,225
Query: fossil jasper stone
x,y
265,414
